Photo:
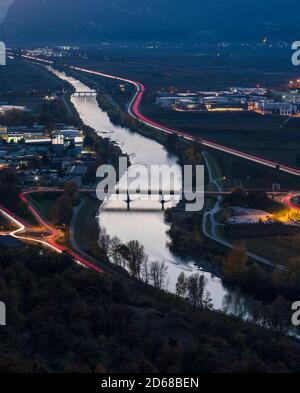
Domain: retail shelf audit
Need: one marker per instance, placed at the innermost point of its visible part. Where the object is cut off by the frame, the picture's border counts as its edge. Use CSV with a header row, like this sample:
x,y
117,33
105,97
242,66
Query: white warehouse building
x,y
281,108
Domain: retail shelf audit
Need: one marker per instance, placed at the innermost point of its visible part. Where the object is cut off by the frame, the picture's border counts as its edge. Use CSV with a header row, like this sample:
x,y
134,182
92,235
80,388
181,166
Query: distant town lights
x,y
295,81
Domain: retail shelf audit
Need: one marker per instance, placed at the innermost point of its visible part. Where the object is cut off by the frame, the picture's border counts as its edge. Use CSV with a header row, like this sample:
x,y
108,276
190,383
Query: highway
x,y
288,201
134,111
50,241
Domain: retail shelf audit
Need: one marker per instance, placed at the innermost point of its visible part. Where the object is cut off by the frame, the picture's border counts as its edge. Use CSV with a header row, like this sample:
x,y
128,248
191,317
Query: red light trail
x,y
50,241
134,111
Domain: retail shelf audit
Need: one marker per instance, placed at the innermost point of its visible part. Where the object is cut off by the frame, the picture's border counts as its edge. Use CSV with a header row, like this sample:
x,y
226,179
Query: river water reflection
x,y
148,227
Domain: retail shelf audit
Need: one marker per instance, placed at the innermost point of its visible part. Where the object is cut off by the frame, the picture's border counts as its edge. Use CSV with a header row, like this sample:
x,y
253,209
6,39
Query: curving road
x,y
134,111
49,241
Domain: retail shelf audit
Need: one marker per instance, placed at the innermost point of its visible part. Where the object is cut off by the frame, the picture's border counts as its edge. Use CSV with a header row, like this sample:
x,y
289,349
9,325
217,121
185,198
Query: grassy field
x,y
25,84
45,202
24,77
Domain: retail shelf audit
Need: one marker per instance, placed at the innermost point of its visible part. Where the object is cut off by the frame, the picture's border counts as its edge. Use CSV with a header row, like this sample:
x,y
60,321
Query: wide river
x,y
148,227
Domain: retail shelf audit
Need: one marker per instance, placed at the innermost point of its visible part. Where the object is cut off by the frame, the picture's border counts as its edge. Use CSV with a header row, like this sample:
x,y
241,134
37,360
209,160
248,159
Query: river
x,y
148,227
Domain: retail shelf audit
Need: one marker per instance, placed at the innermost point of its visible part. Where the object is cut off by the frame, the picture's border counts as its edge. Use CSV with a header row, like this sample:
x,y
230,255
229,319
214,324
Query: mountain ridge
x,y
140,20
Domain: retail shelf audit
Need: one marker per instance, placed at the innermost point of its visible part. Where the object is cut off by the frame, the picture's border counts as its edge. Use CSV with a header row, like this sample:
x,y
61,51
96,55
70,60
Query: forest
x,y
64,318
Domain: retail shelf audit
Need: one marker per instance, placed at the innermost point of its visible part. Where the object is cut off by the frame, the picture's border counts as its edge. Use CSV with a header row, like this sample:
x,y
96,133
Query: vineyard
x,y
259,230
245,174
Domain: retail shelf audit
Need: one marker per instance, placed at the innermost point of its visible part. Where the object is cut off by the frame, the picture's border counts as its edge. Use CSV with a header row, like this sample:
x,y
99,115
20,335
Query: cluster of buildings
x,y
44,158
235,99
58,51
4,109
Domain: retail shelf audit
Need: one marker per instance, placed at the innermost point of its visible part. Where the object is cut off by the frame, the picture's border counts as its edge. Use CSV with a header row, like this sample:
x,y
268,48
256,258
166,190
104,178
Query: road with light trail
x,y
134,112
50,241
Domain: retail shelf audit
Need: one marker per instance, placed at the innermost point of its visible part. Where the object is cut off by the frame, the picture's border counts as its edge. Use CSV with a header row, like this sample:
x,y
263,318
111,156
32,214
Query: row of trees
x,y
62,211
269,286
259,230
265,283
193,288
132,257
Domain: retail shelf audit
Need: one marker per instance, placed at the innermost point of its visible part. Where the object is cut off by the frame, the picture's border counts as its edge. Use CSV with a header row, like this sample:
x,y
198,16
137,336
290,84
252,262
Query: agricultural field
x,y
240,173
277,249
25,84
269,136
241,232
195,68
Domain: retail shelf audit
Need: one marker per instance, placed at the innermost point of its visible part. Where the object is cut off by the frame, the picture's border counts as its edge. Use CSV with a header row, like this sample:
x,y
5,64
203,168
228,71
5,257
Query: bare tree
x,y
145,273
135,257
208,303
181,285
104,241
114,249
196,290
158,274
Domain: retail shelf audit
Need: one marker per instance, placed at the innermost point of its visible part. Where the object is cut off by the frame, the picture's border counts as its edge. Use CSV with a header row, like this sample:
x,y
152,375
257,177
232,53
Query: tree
x,y
196,290
277,277
257,280
62,210
100,369
235,263
158,274
280,317
293,267
208,302
193,154
145,270
181,285
71,189
237,197
104,241
135,257
172,140
114,248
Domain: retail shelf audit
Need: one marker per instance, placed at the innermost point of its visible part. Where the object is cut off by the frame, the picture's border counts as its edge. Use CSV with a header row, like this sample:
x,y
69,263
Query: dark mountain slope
x,y
96,20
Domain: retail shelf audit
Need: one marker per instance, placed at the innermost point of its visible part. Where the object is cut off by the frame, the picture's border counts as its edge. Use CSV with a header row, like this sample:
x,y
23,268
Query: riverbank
x,y
85,226
152,234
